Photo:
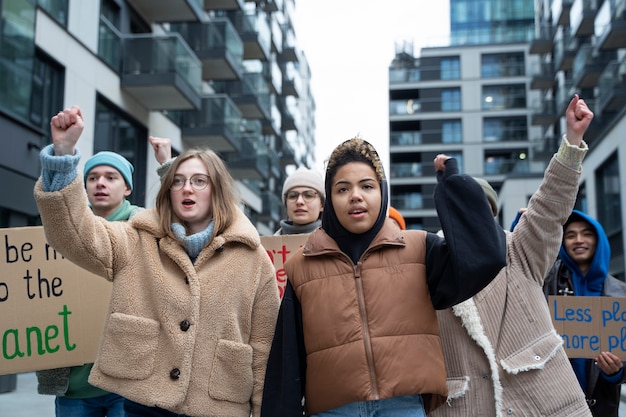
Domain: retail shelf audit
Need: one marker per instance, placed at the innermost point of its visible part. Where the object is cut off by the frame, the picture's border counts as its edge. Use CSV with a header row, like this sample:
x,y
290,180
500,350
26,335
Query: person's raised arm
x,y
473,249
578,117
66,127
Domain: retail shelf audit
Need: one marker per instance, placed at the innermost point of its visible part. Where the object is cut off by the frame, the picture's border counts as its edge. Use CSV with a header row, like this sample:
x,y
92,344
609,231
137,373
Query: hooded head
x,y
593,280
304,177
353,150
114,160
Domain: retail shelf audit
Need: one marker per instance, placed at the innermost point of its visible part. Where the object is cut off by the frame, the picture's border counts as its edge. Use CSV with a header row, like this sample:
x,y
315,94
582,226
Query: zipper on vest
x,y
367,342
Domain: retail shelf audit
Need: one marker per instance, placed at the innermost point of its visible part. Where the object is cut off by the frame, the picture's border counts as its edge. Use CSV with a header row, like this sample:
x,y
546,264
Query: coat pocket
x,y
129,347
231,374
533,356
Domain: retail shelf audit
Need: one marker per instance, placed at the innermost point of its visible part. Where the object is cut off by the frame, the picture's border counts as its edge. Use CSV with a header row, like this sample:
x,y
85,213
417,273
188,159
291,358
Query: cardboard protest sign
x,y
51,311
279,249
590,325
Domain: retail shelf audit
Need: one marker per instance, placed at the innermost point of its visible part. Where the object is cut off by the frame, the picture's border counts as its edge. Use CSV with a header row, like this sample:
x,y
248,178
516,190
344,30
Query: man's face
x,y
106,189
580,241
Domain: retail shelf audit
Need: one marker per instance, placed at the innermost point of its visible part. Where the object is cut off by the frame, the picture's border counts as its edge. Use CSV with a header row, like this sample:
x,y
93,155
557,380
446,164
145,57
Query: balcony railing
x,y
161,72
216,124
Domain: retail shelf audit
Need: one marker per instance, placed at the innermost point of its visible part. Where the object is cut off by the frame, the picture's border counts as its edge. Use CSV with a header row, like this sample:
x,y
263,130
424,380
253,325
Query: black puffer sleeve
x,y
286,367
474,248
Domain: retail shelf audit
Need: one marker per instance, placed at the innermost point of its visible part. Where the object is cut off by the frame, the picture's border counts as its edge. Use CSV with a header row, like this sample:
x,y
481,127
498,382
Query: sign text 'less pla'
x,y
590,325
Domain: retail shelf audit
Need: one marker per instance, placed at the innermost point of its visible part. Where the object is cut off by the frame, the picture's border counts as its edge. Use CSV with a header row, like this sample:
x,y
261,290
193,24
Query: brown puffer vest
x,y
370,329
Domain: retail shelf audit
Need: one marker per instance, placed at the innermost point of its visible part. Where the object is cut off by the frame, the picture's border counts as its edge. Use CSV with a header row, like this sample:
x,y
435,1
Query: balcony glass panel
x,y
404,75
405,138
404,107
502,65
406,170
162,55
408,201
505,129
501,97
505,163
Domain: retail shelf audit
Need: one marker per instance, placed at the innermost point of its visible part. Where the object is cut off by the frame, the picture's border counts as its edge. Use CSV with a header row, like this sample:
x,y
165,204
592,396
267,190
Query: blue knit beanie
x,y
113,160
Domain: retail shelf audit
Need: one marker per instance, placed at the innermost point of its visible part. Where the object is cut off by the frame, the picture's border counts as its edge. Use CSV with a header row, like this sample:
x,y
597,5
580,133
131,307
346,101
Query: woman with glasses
x,y
194,299
303,199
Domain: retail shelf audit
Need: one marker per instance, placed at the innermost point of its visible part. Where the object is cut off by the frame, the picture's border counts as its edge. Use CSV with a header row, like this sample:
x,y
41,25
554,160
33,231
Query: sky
x,y
349,45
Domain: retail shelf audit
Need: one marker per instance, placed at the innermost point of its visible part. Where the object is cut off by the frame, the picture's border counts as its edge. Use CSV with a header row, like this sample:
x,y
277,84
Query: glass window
x,y
116,131
451,131
56,8
450,69
17,46
501,97
502,65
608,195
47,90
502,129
451,100
504,162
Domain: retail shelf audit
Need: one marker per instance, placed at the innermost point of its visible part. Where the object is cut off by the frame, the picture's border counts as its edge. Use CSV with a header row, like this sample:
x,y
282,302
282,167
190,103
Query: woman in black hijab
x,y
357,332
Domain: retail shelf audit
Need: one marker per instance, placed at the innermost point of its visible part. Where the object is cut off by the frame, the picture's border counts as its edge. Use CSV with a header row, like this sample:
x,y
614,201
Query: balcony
x,y
254,29
272,206
251,95
610,25
542,76
543,113
543,41
560,12
564,53
168,10
251,162
210,5
588,66
217,45
612,88
581,17
405,138
161,72
544,147
216,125
285,151
272,125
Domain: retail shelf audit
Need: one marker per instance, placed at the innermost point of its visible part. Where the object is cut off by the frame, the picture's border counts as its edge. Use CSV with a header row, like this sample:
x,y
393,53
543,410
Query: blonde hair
x,y
224,196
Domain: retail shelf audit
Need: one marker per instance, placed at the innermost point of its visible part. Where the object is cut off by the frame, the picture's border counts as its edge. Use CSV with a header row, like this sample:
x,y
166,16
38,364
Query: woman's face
x,y
304,205
356,196
190,205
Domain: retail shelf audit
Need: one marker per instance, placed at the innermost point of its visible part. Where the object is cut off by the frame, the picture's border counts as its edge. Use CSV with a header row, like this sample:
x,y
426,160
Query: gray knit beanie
x,y
304,177
490,193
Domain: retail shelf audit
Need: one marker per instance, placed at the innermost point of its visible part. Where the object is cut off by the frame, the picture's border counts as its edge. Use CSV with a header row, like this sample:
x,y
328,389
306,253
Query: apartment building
x,y
582,49
469,99
495,98
227,74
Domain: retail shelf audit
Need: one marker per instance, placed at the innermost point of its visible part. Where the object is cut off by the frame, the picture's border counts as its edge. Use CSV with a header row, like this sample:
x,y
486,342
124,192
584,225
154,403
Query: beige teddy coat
x,y
193,339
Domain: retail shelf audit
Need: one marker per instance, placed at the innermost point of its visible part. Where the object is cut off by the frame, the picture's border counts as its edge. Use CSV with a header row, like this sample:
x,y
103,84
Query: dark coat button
x,y
185,325
175,373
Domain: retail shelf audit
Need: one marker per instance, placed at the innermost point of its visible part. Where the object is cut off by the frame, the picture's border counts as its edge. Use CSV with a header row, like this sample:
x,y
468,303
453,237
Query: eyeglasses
x,y
198,182
307,195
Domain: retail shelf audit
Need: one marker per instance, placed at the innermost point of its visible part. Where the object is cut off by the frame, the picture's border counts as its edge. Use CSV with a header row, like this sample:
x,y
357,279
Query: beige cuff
x,y
570,155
